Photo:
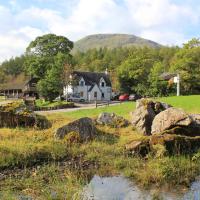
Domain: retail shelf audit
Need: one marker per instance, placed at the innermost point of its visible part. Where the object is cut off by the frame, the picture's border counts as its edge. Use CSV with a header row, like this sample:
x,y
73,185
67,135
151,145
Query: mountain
x,y
111,41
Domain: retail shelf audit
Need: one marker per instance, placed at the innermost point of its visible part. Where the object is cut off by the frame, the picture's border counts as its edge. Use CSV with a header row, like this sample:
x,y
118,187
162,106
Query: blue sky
x,y
169,22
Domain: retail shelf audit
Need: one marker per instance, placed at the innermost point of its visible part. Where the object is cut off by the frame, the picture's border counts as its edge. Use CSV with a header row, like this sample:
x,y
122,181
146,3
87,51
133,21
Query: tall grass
x,y
39,166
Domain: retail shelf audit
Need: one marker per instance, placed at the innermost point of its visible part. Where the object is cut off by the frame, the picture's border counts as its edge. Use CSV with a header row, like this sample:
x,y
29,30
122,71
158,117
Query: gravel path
x,y
79,107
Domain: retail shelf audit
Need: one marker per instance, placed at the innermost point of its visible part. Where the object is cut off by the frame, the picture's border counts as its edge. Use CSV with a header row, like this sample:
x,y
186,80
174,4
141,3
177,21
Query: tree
x,y
186,62
13,66
49,46
133,73
158,87
46,57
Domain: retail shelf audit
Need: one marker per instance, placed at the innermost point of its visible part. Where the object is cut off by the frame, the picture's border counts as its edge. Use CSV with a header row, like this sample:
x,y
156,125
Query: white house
x,y
90,86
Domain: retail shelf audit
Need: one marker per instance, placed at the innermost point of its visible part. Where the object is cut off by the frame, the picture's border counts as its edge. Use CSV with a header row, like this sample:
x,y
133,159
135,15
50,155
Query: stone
x,y
155,105
111,119
16,114
169,119
142,119
140,147
176,144
143,102
145,112
133,145
85,127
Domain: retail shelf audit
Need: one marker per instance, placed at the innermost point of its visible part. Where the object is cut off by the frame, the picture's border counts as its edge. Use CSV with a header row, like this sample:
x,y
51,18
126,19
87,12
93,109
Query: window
x,y
102,84
81,93
82,83
102,95
95,94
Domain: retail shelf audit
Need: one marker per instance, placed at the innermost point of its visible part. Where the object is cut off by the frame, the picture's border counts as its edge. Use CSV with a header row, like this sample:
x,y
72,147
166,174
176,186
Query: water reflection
x,y
120,188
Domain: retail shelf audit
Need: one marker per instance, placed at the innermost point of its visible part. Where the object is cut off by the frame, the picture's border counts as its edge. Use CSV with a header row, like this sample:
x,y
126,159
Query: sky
x,y
168,22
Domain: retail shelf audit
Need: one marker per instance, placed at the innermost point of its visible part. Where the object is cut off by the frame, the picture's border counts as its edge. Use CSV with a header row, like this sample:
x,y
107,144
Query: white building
x,y
90,86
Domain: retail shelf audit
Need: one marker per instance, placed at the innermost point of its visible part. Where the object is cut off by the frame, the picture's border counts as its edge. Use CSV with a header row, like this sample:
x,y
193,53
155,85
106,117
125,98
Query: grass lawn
x,y
190,104
123,109
37,165
2,98
41,103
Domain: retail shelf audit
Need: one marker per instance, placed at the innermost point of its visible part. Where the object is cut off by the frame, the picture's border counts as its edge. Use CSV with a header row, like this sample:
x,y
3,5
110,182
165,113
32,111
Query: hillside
x,y
111,41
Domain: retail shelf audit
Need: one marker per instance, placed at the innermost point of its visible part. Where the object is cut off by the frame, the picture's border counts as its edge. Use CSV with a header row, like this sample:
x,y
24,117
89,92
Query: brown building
x,y
19,87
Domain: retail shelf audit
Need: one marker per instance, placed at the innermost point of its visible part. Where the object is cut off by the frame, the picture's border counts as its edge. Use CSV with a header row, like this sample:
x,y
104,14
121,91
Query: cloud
x,y
169,38
164,21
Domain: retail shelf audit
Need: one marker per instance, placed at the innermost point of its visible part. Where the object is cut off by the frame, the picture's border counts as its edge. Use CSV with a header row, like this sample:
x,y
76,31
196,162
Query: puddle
x,y
120,188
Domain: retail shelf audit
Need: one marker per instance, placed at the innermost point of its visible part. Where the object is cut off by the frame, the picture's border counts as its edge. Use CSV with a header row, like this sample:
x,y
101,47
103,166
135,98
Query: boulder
x,y
140,147
142,119
169,119
111,119
85,127
16,114
145,112
155,105
176,144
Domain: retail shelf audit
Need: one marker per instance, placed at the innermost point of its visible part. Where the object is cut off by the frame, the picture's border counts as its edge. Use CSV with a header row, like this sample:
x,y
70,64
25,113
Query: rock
x,y
145,112
16,114
41,122
111,119
160,106
143,102
140,147
176,144
196,119
170,118
133,145
85,127
155,105
142,119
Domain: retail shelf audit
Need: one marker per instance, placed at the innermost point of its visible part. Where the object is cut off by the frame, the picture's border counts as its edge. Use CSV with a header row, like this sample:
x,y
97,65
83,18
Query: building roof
x,y
15,83
92,78
167,75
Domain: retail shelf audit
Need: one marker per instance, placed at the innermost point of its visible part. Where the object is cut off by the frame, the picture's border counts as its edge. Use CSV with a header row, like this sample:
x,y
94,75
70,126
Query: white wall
x,y
89,96
106,90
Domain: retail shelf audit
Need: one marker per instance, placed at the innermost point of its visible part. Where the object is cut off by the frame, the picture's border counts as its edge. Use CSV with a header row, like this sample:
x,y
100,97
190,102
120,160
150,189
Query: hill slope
x,y
111,41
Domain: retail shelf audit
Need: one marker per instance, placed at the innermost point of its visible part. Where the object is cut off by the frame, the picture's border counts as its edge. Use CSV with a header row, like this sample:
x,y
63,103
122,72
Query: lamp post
x,y
178,84
177,81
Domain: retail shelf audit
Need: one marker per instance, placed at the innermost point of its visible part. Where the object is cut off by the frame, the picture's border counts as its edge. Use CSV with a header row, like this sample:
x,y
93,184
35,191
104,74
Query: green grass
x,y
190,104
44,166
41,103
123,109
2,98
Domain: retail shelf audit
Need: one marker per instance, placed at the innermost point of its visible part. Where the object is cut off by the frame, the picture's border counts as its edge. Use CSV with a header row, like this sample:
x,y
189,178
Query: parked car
x,y
75,98
115,97
134,97
124,97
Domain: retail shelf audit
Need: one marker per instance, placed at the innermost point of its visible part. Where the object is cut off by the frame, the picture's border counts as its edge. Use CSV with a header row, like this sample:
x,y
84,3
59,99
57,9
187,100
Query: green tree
x,y
158,87
186,62
13,66
133,73
46,57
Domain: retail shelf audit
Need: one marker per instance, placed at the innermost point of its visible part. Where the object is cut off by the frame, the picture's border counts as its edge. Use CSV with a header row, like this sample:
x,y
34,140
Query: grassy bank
x,y
188,103
47,104
34,164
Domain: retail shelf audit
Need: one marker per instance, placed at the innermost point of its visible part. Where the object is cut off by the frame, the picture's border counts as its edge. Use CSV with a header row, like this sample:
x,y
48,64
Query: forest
x,y
132,69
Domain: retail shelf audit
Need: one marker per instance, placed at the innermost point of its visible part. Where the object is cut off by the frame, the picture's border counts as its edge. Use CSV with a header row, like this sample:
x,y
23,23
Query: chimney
x,y
106,71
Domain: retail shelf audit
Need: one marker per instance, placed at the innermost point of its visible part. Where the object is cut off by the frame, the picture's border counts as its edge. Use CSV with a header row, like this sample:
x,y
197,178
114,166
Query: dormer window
x,y
81,83
102,84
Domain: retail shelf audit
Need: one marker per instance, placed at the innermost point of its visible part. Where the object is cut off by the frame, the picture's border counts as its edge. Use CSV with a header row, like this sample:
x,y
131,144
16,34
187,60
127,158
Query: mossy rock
x,y
176,144
138,147
72,137
42,122
16,114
